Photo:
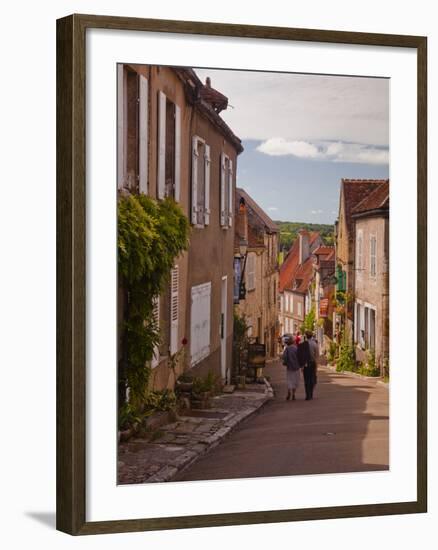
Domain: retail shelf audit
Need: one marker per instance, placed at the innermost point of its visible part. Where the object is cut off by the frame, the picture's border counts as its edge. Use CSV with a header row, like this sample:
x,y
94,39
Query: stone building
x,y
324,291
172,142
371,300
352,192
296,275
259,269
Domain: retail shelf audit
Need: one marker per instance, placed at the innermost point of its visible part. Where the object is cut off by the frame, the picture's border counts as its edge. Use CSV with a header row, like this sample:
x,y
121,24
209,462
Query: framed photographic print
x,y
241,274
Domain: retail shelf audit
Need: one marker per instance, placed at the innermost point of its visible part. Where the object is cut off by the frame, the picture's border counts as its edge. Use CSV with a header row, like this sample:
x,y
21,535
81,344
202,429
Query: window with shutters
x,y
359,258
132,129
174,309
226,214
200,322
169,148
373,259
250,271
200,182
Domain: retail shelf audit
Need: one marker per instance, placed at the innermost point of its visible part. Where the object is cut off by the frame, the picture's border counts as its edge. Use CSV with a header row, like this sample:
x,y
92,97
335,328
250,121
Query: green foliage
x,y
207,384
164,400
347,359
309,320
289,232
151,234
370,368
332,351
240,330
128,416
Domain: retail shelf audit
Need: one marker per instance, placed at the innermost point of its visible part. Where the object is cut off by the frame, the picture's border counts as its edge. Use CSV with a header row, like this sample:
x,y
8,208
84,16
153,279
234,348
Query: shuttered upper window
x,y
359,258
200,182
250,280
226,214
373,257
132,130
169,148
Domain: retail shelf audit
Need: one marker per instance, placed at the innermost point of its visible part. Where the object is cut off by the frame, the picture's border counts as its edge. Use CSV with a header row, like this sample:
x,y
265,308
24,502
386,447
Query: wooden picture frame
x,y
71,273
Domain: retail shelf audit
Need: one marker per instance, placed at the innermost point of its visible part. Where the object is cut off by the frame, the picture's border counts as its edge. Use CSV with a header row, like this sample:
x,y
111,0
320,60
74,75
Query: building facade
x,y
371,304
172,142
324,292
296,275
260,271
352,192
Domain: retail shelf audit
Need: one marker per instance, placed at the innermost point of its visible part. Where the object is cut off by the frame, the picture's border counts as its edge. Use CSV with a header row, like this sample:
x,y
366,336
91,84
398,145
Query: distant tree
x,y
289,232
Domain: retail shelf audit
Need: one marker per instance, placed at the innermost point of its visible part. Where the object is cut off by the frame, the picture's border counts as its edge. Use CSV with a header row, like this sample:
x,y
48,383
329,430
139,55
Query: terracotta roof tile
x,y
377,199
355,191
294,276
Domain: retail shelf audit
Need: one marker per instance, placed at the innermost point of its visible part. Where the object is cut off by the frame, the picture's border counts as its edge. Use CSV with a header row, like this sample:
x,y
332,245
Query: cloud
x,y
333,151
279,147
272,208
304,107
314,212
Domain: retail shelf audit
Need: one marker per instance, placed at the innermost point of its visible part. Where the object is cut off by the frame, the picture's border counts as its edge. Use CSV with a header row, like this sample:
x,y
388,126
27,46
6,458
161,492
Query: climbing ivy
x,y
151,235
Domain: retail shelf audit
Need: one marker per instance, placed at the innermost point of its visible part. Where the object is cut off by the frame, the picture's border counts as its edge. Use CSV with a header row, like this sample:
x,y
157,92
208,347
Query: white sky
x,y
304,108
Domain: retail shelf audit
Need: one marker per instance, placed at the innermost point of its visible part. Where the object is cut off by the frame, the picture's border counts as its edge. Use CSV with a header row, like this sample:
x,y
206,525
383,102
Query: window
x,y
250,271
200,323
291,305
174,309
357,323
132,130
359,258
300,309
372,330
200,182
169,148
226,191
373,250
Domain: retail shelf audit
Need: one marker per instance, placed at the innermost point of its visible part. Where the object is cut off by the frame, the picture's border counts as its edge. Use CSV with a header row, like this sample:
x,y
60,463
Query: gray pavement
x,y
345,428
159,456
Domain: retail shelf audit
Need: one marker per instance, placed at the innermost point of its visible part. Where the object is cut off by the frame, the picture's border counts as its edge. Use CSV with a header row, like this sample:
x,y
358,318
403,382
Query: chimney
x,y
208,82
304,246
242,220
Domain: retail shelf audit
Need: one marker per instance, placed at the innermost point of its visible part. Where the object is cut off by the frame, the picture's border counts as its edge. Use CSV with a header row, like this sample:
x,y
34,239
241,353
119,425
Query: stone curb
x,y
168,472
377,379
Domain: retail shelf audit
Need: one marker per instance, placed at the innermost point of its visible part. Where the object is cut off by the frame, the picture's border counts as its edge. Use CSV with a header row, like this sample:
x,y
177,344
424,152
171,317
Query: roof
x,y
376,200
303,276
294,276
257,217
354,192
218,101
324,250
208,103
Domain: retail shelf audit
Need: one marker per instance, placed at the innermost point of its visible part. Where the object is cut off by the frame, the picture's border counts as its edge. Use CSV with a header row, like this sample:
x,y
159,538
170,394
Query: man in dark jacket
x,y
308,355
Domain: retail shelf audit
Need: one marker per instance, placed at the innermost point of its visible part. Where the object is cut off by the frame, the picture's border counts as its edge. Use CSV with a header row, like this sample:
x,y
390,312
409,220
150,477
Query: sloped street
x,y
343,429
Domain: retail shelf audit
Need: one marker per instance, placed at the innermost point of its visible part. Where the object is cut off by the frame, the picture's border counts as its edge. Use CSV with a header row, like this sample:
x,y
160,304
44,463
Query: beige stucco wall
x,y
260,306
210,255
374,291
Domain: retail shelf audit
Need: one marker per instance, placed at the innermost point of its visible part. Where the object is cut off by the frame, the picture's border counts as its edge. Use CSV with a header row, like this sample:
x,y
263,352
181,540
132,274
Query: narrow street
x,y
343,429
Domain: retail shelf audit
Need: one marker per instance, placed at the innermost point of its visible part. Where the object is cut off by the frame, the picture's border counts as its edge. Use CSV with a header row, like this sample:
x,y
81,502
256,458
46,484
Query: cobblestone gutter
x,y
179,444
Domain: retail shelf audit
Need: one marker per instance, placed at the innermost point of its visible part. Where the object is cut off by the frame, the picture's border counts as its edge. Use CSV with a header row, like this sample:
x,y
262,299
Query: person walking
x,y
290,360
308,354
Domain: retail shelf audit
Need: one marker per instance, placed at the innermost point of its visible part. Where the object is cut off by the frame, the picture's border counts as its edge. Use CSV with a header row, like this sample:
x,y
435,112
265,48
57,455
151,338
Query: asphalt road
x,y
344,428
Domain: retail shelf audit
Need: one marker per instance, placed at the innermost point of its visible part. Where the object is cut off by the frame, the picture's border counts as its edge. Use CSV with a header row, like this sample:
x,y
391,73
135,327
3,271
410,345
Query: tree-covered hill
x,y
289,232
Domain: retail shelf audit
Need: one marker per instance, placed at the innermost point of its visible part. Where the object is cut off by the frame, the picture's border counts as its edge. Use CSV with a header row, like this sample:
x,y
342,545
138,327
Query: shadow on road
x,y
343,429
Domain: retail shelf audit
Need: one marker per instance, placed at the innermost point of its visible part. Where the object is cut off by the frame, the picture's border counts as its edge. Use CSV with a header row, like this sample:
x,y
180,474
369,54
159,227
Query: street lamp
x,y
243,251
